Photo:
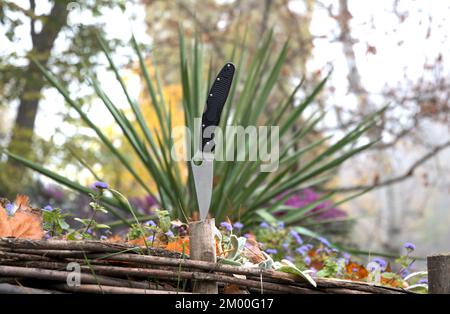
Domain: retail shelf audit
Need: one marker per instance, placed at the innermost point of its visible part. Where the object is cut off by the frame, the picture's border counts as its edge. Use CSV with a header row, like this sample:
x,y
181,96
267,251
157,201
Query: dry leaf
x,y
180,245
139,241
219,250
142,241
115,239
356,271
393,282
23,202
5,229
252,252
233,289
158,242
25,223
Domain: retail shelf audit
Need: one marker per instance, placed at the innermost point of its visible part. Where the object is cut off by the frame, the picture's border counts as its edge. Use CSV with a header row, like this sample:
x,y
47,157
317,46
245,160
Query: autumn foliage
x,y
24,223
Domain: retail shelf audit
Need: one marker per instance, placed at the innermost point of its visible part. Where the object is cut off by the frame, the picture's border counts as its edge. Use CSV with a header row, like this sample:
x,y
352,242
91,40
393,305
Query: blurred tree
x,y
419,107
20,80
220,23
32,82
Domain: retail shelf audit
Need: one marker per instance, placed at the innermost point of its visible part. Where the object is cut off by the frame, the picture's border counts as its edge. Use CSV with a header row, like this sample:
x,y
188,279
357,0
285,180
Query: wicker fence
x,y
54,266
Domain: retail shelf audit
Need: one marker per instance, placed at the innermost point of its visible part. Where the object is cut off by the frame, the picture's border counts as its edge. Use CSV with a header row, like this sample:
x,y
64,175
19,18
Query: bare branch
x,y
409,173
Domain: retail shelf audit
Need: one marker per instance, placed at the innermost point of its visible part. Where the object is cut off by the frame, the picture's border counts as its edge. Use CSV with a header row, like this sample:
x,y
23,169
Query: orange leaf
x,y
219,250
393,282
142,241
5,228
232,289
23,224
356,271
23,202
26,225
179,245
115,239
139,241
316,264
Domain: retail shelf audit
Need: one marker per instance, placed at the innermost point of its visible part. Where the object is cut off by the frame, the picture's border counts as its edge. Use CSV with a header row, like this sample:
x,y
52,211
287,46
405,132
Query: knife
x,y
203,172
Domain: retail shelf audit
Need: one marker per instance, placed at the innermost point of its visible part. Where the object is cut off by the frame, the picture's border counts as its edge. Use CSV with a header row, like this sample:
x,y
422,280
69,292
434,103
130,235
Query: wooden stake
x,y
202,247
439,273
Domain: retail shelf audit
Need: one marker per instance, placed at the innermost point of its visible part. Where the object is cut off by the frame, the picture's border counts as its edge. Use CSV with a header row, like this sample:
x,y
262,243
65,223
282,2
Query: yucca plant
x,y
241,191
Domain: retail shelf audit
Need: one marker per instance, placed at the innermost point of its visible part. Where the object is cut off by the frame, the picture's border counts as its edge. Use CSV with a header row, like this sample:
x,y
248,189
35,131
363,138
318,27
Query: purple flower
x,y
346,257
238,225
409,246
325,209
380,262
296,236
264,225
303,198
271,251
150,200
289,258
169,233
150,238
423,281
10,209
226,225
322,250
98,185
54,192
324,241
281,225
103,238
144,203
285,246
302,250
247,235
89,231
150,223
404,272
307,260
48,208
371,267
341,262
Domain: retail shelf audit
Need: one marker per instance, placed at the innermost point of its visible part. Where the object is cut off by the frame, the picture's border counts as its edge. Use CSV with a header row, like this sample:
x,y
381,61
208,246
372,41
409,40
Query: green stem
x,y
362,252
90,221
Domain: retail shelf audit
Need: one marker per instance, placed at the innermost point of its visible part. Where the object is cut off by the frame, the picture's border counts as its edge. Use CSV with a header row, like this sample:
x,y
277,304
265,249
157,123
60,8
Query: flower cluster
x,y
323,211
323,259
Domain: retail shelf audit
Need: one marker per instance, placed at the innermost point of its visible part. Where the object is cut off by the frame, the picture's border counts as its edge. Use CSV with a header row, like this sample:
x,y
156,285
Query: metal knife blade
x,y
203,179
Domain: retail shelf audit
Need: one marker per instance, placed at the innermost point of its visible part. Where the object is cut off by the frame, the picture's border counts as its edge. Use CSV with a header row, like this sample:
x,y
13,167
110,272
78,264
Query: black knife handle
x,y
214,104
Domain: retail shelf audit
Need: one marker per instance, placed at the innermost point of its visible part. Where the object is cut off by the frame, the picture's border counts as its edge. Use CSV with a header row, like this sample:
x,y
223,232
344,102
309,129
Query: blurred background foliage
x,y
376,62
39,27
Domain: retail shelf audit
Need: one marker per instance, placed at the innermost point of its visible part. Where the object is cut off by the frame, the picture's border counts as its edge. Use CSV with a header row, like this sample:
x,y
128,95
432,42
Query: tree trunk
x,y
42,45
